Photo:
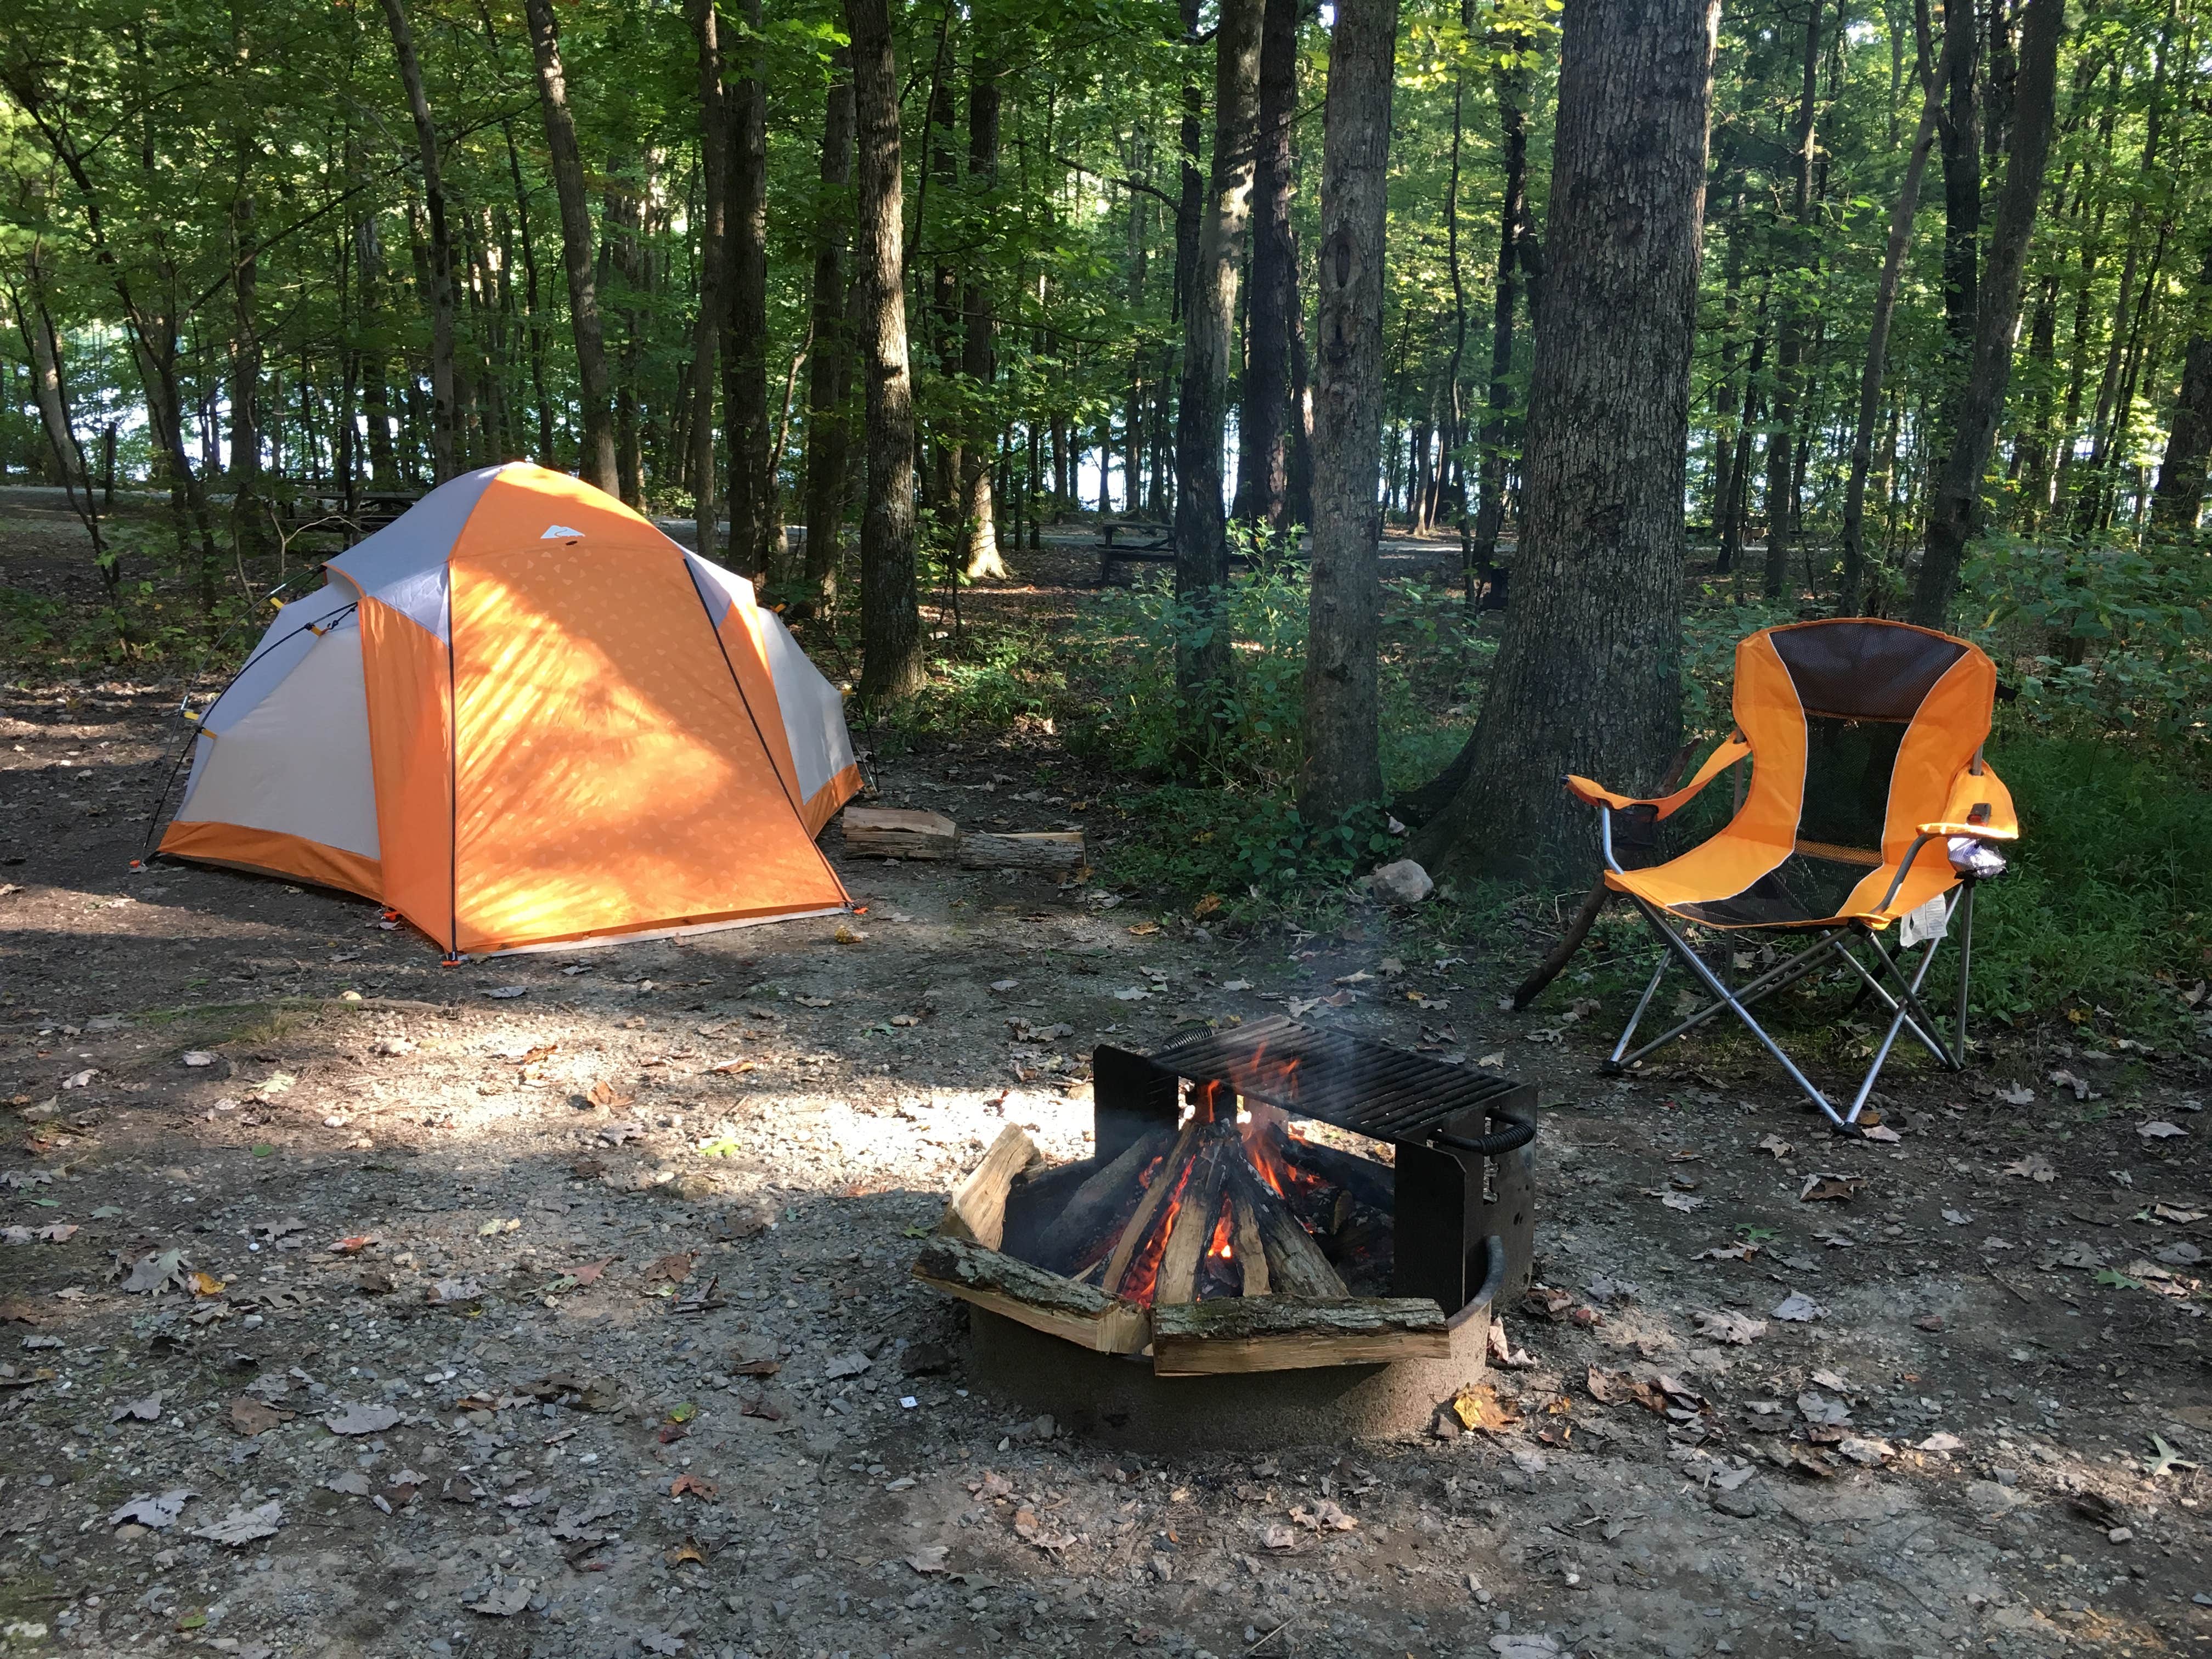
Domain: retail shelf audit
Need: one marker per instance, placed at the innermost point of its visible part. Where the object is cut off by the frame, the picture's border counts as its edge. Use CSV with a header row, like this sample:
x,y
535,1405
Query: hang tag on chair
x,y
1930,921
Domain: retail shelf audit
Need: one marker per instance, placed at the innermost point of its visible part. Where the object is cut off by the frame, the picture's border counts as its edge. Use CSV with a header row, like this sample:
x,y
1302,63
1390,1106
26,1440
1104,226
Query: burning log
x,y
1296,1265
1093,1203
1043,1301
1284,1333
1192,1229
1245,1238
1171,1172
1363,1177
978,1203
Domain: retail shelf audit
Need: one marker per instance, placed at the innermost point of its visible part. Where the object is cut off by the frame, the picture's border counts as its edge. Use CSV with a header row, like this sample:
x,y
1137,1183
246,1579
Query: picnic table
x,y
373,510
1139,541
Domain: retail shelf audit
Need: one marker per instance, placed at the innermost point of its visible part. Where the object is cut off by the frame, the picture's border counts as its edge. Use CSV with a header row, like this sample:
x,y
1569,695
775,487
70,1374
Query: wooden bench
x,y
373,510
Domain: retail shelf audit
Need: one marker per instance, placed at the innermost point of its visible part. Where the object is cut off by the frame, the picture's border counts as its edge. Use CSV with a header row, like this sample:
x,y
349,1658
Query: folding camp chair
x,y
1865,739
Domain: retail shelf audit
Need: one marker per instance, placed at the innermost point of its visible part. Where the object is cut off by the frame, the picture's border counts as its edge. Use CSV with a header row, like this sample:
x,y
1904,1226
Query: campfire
x,y
1270,1198
1233,1201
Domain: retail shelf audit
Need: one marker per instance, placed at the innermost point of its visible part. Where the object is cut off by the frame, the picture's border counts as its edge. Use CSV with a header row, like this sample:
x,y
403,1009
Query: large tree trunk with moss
x,y
891,662
579,252
1588,678
1210,308
1342,769
1956,514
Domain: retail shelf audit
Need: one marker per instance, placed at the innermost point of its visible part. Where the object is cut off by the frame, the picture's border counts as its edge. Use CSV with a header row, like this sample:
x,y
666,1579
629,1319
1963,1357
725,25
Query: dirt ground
x,y
354,1305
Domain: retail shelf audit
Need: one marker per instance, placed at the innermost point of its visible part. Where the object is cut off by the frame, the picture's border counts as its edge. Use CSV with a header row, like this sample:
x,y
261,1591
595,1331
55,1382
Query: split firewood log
x,y
1194,1224
893,832
1245,1239
1094,1204
1296,1265
1044,849
1149,1208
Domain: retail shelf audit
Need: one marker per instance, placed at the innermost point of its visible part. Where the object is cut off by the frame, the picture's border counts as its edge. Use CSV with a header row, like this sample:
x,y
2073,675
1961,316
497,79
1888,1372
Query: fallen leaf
x,y
1741,1250
198,1057
1682,1201
147,1510
930,1557
155,1271
1132,993
356,1244
1726,1325
252,1416
1941,1441
2078,1084
671,1269
452,1290
1776,1144
1799,1308
1480,1407
1957,1218
692,1484
244,1526
2157,1129
203,1284
1860,1450
2032,1166
1817,1409
503,1601
148,1410
1881,1132
504,991
351,1483
1825,1187
363,1419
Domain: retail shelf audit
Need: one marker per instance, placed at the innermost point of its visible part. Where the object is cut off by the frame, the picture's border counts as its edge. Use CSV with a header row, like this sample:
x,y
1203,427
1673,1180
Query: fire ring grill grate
x,y
1445,1225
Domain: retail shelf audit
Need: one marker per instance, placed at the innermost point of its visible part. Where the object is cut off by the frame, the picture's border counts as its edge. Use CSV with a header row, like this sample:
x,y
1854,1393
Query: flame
x,y
1220,1249
1140,1278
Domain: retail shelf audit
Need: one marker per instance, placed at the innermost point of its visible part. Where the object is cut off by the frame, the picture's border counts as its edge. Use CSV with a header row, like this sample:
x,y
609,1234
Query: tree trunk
x,y
1884,305
50,391
1511,88
828,439
443,412
1263,422
1588,676
1202,656
1959,131
2188,440
891,661
713,207
979,558
1298,471
744,323
1789,347
579,252
245,509
1727,400
1955,515
1342,769
547,454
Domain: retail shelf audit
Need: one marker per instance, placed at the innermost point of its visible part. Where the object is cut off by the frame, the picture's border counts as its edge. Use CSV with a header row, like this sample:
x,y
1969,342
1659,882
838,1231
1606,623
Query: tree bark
x,y
979,557
1202,656
1959,131
1884,306
1342,770
1588,676
891,661
828,440
579,252
1955,515
1263,422
1789,345
1512,87
745,330
713,209
2180,495
443,414
50,391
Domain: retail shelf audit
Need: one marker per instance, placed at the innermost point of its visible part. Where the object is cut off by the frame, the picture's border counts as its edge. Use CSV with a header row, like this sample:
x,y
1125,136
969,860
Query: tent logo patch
x,y
553,530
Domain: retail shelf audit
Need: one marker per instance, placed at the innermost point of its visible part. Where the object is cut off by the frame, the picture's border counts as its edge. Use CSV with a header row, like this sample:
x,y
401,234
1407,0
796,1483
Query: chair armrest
x,y
1663,806
1980,806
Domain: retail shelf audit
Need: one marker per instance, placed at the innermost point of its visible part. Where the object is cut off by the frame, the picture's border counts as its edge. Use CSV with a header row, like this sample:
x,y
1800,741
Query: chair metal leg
x,y
1634,1019
1765,985
1927,1021
1966,970
1881,1054
1879,990
1714,987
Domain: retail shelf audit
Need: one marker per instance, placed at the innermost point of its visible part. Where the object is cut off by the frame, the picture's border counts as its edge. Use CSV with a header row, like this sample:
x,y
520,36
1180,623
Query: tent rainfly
x,y
519,716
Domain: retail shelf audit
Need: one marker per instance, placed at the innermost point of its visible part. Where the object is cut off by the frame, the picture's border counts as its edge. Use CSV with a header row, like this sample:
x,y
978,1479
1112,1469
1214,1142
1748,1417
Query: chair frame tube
x,y
1907,1009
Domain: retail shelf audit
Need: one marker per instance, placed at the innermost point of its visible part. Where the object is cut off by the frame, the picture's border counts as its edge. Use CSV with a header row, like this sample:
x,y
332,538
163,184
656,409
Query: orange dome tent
x,y
520,715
